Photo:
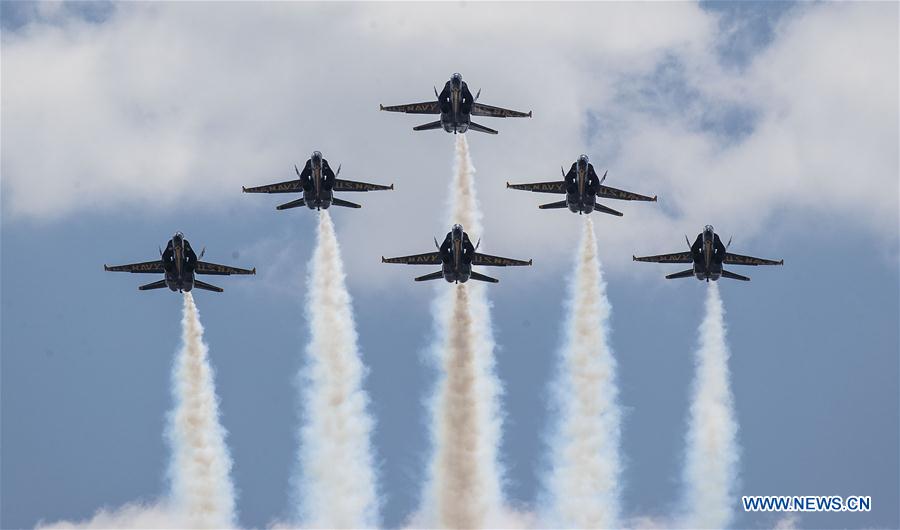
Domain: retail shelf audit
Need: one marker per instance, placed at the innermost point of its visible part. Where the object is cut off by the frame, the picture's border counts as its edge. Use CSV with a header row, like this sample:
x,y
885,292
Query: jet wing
x,y
291,186
431,258
678,257
427,107
613,193
147,266
737,259
496,261
480,109
204,267
351,185
541,187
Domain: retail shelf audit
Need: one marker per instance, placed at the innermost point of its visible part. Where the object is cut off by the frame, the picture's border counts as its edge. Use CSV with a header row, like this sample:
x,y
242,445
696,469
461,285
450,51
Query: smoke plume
x,y
465,486
201,492
710,472
583,485
201,466
335,486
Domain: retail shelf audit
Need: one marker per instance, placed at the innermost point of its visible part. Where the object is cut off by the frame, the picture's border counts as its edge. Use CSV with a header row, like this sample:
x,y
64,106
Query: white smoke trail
x,y
464,490
201,466
710,472
336,484
583,485
129,516
463,201
202,494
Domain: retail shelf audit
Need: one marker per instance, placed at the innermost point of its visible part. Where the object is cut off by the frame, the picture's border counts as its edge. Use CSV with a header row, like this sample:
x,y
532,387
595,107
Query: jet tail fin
x,y
600,208
433,276
482,278
292,204
428,126
560,204
481,128
207,287
733,276
345,204
153,285
683,274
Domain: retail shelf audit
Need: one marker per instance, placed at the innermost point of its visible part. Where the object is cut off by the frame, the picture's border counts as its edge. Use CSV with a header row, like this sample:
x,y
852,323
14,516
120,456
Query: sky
x,y
122,123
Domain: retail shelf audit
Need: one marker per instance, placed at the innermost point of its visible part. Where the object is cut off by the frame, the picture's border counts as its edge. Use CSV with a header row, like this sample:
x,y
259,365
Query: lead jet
x,y
456,257
318,183
708,255
581,187
179,263
456,105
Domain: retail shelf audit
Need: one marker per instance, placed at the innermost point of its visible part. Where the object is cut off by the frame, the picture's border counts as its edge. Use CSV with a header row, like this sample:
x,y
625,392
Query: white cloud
x,y
177,105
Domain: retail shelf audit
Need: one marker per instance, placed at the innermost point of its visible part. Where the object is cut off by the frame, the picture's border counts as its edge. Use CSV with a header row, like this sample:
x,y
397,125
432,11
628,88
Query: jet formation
x,y
708,255
456,105
318,183
179,263
456,256
581,187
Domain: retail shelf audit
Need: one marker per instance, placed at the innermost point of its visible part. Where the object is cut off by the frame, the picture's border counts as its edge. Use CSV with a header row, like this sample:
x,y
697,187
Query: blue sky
x,y
123,124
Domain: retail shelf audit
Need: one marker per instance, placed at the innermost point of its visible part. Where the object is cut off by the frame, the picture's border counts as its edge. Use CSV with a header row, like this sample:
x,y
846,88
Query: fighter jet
x,y
581,187
708,255
179,263
456,105
456,257
318,183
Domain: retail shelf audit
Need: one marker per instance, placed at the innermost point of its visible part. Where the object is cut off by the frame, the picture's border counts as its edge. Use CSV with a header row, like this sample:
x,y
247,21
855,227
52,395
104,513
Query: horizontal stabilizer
x,y
560,204
428,126
155,285
207,287
600,208
433,276
683,274
482,278
292,204
733,276
345,204
481,128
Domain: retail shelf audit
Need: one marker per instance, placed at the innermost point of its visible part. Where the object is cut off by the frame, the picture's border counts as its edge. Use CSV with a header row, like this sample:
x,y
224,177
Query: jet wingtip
x,y
380,107
654,198
243,189
507,183
529,113
633,257
383,260
530,261
105,267
781,262
253,271
392,186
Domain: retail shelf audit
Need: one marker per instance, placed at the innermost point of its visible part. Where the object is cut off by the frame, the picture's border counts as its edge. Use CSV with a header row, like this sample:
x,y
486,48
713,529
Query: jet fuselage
x,y
317,180
456,256
179,262
456,104
708,253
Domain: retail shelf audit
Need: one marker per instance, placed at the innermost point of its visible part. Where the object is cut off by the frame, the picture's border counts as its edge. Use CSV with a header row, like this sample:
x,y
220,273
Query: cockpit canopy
x,y
316,158
178,238
456,80
582,162
457,231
